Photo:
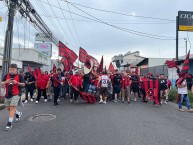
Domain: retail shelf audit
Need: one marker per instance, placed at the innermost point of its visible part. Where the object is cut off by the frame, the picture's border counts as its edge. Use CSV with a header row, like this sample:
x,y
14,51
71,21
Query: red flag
x,y
185,67
34,74
29,68
101,65
66,52
111,67
83,55
171,64
136,71
38,72
66,64
54,68
96,63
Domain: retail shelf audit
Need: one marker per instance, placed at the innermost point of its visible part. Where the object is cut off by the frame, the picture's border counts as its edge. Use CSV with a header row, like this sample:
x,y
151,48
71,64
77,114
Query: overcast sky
x,y
102,39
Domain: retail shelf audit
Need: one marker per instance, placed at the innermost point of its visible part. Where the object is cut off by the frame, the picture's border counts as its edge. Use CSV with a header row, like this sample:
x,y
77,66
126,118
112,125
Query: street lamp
x,y
186,44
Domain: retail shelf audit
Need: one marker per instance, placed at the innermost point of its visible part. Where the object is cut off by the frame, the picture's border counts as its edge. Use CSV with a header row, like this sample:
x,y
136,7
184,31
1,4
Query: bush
x,y
190,95
172,96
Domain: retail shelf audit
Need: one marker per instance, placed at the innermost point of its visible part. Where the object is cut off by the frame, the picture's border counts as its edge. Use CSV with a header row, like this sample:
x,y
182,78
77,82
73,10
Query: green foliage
x,y
172,96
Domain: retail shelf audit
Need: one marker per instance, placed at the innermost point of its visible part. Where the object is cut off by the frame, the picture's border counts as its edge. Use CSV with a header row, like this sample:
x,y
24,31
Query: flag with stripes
x,y
111,67
83,55
186,67
66,52
96,63
171,64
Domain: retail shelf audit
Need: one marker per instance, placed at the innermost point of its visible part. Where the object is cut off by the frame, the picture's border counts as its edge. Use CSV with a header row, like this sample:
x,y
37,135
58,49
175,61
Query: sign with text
x,y
185,20
43,37
1,19
45,48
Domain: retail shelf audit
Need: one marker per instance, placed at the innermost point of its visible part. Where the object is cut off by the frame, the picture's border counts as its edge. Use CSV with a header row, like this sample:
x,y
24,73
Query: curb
x,y
2,107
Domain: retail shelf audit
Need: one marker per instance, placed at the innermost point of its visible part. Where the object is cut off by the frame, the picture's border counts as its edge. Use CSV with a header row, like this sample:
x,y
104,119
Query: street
x,y
99,124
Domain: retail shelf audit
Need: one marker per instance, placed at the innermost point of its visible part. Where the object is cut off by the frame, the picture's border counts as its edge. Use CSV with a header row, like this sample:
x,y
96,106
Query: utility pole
x,y
186,45
177,28
8,38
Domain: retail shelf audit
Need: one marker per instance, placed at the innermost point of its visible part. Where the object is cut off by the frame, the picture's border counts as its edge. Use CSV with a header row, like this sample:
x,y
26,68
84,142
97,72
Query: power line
x,y
125,29
59,23
118,13
117,27
74,24
66,22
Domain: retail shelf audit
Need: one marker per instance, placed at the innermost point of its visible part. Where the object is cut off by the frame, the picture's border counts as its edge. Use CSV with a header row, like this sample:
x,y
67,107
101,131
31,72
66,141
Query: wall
x,y
157,61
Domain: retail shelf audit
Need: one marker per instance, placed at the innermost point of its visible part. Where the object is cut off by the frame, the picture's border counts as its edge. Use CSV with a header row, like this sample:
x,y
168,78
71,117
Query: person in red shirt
x,y
125,87
142,88
75,81
57,81
12,82
43,82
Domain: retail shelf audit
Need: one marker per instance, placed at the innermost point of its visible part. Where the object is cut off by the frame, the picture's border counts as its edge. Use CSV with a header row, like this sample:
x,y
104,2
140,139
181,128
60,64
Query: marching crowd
x,y
116,86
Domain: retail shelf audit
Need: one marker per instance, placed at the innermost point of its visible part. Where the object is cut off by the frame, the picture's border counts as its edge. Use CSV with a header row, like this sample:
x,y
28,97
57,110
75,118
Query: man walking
x,y
42,84
12,81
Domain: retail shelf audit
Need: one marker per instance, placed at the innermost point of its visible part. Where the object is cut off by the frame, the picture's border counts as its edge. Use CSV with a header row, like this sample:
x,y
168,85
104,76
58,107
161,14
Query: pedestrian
x,y
29,86
117,84
42,85
163,89
12,81
183,95
125,90
75,82
135,85
57,80
64,85
103,87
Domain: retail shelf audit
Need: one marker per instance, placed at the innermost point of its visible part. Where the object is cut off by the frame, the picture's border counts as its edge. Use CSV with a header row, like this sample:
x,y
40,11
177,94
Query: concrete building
x,y
117,61
28,56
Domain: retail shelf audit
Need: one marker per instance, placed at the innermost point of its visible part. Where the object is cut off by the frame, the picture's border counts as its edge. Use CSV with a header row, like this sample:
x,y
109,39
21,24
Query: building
x,y
117,60
29,56
153,65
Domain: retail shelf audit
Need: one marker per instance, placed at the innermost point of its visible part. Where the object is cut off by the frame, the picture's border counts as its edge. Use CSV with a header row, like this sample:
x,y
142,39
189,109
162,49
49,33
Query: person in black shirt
x,y
86,82
29,86
12,81
117,84
135,85
163,88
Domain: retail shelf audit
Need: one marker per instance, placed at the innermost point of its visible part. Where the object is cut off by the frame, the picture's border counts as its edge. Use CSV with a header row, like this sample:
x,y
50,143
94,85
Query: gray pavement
x,y
99,124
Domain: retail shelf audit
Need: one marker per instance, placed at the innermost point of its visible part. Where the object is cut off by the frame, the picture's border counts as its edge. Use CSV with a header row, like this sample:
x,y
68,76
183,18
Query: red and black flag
x,y
37,73
29,68
186,67
111,67
136,71
66,52
101,65
83,55
66,64
171,64
96,63
54,68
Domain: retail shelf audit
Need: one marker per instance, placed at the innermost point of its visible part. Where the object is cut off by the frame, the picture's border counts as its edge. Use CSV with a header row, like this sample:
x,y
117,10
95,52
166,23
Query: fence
x,y
163,69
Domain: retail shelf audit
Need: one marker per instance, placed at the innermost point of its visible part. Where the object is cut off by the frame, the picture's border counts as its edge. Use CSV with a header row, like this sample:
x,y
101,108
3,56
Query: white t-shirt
x,y
183,90
104,81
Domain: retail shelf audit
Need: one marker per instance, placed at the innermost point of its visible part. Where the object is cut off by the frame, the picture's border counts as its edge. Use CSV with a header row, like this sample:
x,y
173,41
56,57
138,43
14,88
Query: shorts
x,y
125,92
92,89
135,89
117,89
104,92
14,101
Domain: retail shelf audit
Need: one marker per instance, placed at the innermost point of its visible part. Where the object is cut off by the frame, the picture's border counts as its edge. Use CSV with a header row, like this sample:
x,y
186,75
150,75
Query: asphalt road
x,y
99,124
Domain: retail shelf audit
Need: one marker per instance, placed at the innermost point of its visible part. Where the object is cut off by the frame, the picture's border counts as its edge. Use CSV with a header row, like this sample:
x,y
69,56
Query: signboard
x,y
1,19
185,20
43,37
45,48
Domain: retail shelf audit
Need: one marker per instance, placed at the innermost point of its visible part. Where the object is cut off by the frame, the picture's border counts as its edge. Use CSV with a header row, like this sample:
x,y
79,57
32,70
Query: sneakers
x,y
123,102
101,101
56,104
115,101
31,100
190,110
9,126
71,101
25,101
45,100
165,102
128,102
58,100
76,101
18,116
182,110
104,102
37,102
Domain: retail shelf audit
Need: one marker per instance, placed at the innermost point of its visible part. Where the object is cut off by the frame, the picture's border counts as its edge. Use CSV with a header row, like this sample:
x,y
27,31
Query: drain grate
x,y
42,117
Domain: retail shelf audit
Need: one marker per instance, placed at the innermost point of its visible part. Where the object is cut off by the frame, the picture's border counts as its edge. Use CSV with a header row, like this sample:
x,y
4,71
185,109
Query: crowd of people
x,y
105,86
